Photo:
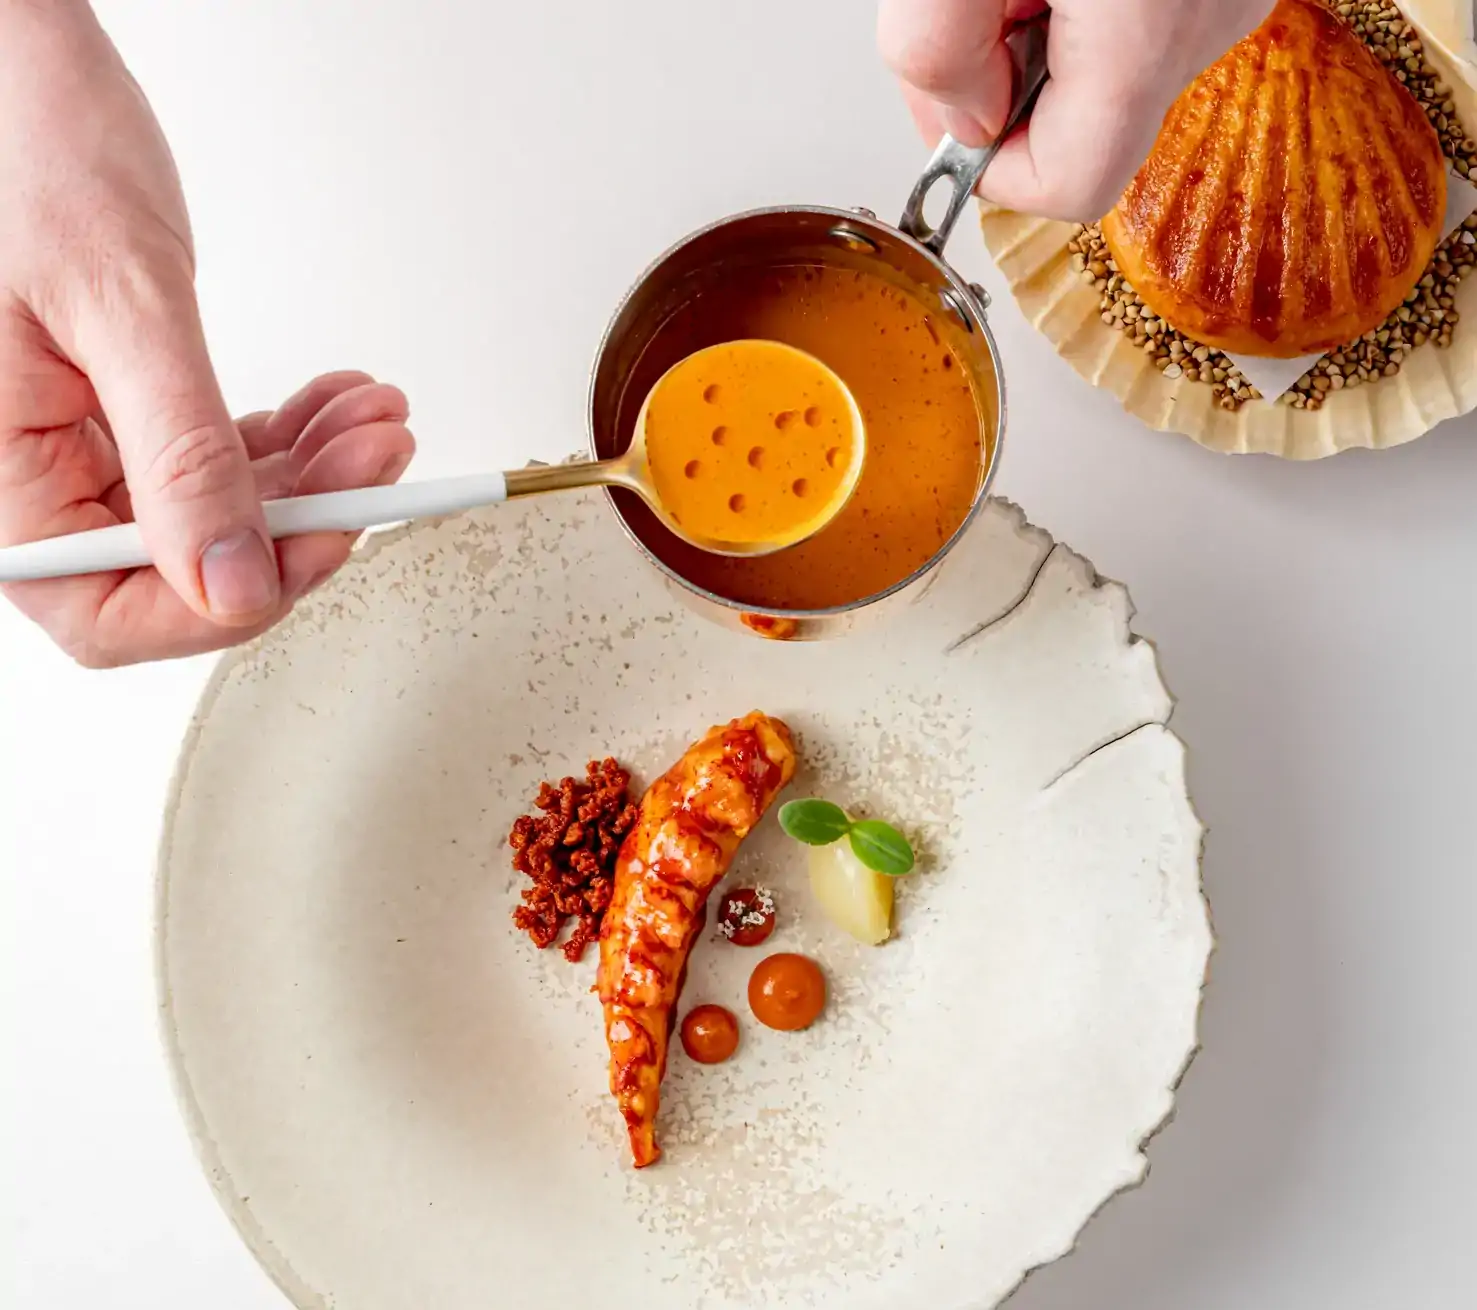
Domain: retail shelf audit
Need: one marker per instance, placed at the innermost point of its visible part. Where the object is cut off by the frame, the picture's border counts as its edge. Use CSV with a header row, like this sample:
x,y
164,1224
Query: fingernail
x,y
239,574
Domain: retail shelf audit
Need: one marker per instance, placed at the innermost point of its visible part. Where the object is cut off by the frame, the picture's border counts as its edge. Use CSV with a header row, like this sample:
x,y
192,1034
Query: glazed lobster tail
x,y
690,825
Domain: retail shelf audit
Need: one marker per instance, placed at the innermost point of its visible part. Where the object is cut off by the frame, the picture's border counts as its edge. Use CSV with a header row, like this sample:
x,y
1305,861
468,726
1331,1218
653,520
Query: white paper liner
x,y
1274,377
1450,25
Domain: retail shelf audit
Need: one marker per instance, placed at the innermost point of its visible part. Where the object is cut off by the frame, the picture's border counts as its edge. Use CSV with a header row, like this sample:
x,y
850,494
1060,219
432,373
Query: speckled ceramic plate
x,y
402,1104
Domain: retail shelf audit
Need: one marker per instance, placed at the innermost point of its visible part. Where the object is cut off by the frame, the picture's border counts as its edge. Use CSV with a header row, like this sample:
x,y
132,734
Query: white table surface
x,y
453,195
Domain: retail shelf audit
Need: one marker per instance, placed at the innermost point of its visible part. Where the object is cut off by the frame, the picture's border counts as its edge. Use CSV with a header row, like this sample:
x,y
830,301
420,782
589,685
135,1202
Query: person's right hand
x,y
1116,68
109,407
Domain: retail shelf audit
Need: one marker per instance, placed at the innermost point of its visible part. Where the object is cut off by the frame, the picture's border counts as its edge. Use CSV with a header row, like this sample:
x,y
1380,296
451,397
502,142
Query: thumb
x,y
184,461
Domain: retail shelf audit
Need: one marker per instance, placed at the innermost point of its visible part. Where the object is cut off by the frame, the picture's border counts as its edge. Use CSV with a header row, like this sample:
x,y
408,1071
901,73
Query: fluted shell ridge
x,y
1294,197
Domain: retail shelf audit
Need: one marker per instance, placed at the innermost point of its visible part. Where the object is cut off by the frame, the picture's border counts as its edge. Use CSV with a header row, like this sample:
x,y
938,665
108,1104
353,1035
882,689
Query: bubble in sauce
x,y
784,419
736,502
711,393
800,487
756,457
693,468
720,435
833,456
813,417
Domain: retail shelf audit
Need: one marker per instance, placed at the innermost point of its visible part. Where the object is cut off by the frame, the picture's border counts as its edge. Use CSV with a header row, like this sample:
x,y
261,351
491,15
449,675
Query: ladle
x,y
122,546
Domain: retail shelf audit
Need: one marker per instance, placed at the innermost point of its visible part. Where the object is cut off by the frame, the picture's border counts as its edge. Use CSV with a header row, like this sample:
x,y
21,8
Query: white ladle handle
x,y
122,547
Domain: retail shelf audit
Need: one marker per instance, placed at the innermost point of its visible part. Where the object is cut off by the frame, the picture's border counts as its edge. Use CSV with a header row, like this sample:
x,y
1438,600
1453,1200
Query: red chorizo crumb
x,y
569,851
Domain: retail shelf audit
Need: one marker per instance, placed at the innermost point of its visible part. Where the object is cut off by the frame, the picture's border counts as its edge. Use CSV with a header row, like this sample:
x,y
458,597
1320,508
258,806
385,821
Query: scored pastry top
x,y
1295,196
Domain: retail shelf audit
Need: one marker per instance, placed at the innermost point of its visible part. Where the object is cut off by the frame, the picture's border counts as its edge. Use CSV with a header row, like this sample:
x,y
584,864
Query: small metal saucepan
x,y
911,254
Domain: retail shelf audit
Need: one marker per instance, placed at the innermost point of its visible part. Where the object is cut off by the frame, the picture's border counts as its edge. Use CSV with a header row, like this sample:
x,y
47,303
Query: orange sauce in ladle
x,y
751,446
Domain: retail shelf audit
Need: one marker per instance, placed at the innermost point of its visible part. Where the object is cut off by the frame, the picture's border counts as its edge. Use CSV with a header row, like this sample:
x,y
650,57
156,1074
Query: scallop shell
x,y
1294,197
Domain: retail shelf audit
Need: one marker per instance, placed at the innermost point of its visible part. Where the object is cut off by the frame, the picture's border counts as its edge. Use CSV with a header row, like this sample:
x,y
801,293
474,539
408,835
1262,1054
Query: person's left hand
x,y
60,472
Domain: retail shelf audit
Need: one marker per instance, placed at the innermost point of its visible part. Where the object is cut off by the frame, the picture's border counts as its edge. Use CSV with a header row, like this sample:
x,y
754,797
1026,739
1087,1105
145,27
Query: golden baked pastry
x,y
1295,196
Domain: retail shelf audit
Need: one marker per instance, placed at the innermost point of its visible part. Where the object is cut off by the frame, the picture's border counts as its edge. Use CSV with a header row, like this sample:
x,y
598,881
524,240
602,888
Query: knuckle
x,y
82,642
921,63
193,464
92,656
106,271
30,457
1082,195
1086,206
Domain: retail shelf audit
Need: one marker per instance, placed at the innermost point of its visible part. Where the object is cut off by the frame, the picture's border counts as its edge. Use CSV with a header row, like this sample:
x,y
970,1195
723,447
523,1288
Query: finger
x,y
952,52
139,340
53,459
276,475
370,456
361,407
281,429
49,478
1075,155
253,430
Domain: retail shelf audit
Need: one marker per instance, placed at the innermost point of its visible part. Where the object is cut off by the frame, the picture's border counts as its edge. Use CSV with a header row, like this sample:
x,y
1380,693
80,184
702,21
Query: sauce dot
x,y
720,435
693,468
800,487
813,417
787,992
948,361
710,1034
746,916
711,393
736,502
784,419
833,456
756,457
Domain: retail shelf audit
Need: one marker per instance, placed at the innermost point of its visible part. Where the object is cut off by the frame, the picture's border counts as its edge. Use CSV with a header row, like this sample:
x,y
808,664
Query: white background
x,y
453,196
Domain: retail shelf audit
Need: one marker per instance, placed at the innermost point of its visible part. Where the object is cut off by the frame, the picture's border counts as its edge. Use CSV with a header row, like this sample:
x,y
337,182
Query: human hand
x,y
1116,68
109,407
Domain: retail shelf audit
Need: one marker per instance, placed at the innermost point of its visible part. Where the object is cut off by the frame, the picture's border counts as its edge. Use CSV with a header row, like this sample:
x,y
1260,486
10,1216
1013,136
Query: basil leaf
x,y
816,823
881,847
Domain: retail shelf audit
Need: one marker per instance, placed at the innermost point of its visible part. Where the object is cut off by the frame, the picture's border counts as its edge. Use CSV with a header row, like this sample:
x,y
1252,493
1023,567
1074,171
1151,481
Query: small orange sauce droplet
x,y
813,416
710,1034
800,487
787,992
784,418
736,502
711,393
693,468
720,435
756,457
832,456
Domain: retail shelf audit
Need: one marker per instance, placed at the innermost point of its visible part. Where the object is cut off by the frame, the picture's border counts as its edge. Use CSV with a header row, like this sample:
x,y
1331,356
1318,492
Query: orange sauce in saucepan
x,y
923,422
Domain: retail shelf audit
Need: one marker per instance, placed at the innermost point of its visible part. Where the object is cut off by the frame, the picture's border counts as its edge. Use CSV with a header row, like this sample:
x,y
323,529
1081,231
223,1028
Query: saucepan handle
x,y
964,166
